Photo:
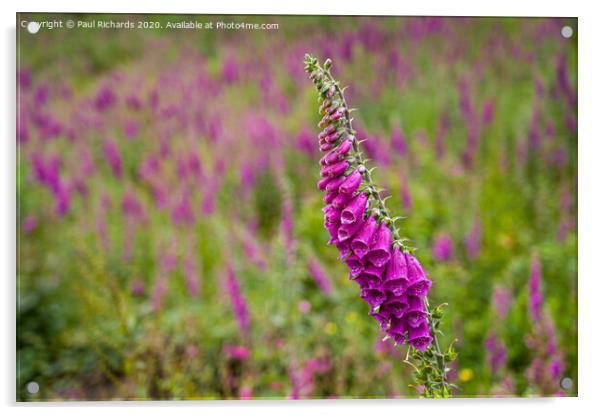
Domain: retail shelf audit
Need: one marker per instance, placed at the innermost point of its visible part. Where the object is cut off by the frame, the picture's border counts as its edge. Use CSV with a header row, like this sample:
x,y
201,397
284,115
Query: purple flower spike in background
x,y
501,301
159,288
190,276
487,113
442,247
237,300
496,353
398,142
105,98
546,366
472,240
137,287
535,295
112,156
319,276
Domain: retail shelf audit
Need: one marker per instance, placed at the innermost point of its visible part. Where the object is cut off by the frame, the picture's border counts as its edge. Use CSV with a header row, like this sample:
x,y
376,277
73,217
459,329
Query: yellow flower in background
x,y
505,240
465,375
351,317
330,328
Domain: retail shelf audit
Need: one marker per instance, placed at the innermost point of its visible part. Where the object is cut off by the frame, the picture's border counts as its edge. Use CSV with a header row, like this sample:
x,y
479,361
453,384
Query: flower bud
x,y
344,147
351,183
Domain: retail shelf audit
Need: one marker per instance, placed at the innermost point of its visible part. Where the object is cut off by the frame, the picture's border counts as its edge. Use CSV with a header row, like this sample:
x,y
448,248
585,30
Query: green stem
x,y
373,192
436,348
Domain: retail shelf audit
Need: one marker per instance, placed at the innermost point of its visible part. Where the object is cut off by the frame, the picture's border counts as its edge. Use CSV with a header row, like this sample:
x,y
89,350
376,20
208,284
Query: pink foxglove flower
x,y
391,280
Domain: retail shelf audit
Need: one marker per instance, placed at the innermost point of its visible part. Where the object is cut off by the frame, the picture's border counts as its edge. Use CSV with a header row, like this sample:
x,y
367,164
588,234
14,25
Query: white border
x,y
590,206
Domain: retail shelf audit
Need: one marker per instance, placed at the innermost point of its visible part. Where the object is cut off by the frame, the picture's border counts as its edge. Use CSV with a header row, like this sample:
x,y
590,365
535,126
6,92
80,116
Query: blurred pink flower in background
x,y
304,306
236,352
246,393
442,247
29,223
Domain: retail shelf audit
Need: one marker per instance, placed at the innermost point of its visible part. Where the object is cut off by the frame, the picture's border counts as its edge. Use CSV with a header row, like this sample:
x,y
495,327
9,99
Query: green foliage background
x,y
83,334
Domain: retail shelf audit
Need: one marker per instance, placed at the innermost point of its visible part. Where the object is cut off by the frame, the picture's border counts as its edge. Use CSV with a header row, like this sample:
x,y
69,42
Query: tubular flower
x,y
419,336
419,284
380,253
355,265
355,210
396,278
390,279
362,242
